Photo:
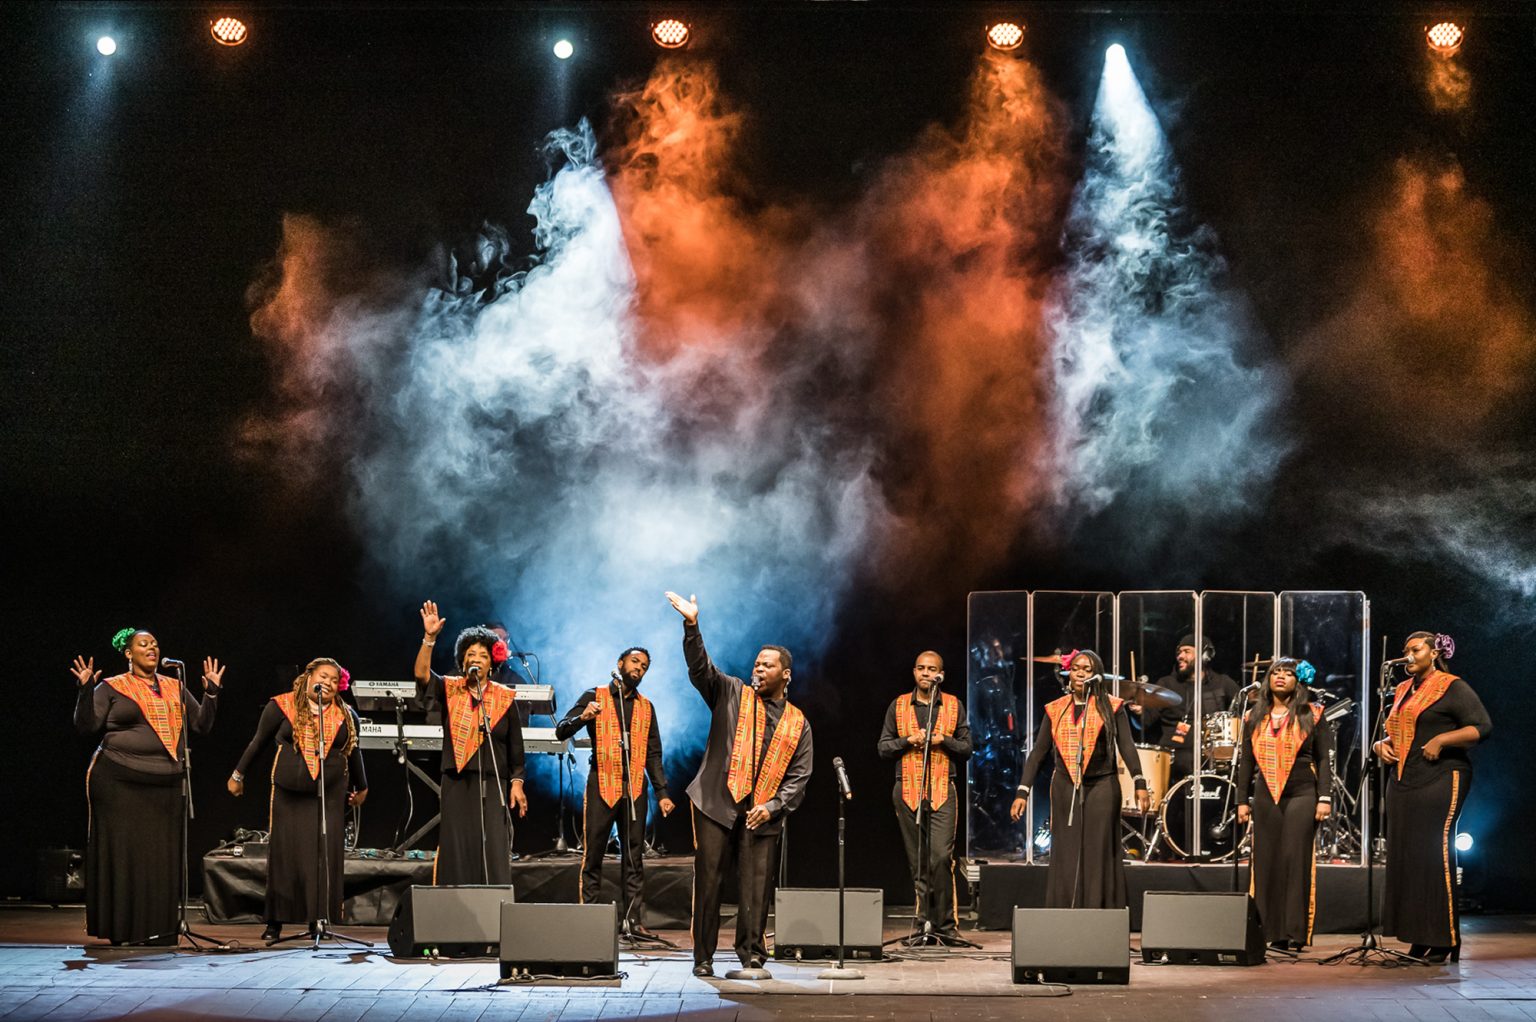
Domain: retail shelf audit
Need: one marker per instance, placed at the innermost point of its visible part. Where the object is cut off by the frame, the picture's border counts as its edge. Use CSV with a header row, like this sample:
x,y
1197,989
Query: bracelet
x,y
237,776
429,642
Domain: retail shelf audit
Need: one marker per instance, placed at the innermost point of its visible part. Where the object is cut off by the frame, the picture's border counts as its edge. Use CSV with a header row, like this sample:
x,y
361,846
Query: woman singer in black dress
x,y
1084,727
1435,717
1283,786
134,851
475,836
294,885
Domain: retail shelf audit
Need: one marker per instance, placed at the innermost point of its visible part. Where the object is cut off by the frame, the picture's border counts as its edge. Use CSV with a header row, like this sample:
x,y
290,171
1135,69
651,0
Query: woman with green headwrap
x,y
133,788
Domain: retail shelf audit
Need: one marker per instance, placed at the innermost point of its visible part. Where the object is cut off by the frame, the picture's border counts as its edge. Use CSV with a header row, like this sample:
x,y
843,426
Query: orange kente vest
x,y
907,721
464,715
1068,735
1275,753
1406,707
304,738
609,750
163,711
745,748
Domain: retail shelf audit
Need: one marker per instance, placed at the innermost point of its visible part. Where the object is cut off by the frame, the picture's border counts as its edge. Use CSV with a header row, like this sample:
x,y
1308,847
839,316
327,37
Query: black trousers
x,y
934,880
1283,880
757,862
597,820
1419,906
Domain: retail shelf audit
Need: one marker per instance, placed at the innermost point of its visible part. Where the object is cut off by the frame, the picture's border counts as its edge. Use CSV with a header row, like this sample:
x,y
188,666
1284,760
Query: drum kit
x,y
1165,829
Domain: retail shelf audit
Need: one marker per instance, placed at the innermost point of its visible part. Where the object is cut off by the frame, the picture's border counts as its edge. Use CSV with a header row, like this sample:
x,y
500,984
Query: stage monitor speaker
x,y
559,940
805,922
1201,928
448,920
1071,945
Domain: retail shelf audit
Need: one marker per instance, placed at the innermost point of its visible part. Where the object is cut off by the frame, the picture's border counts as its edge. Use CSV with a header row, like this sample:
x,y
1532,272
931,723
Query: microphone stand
x,y
322,926
844,794
198,941
501,794
1243,704
1369,951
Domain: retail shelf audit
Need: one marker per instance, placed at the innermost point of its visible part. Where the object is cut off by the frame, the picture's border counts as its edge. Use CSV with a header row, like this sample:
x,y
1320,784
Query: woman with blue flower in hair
x,y
133,788
1283,784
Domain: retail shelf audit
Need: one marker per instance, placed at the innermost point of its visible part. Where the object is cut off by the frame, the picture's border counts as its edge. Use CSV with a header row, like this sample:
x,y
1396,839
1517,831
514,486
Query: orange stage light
x,y
670,34
228,31
1005,35
1445,37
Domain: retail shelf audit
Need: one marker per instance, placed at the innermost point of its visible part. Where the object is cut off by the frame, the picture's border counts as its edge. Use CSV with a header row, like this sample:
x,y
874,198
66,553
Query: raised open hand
x,y
431,621
85,670
213,674
689,608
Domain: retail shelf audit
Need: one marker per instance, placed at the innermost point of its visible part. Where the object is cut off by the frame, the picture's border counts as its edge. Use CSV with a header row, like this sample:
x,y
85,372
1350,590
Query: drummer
x,y
1171,726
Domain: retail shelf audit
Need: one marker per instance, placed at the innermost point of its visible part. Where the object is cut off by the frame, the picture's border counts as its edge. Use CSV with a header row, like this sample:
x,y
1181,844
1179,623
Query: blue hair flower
x,y
1305,672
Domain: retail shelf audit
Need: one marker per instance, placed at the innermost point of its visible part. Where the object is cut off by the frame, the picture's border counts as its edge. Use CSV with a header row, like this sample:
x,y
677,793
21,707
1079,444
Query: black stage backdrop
x,y
143,199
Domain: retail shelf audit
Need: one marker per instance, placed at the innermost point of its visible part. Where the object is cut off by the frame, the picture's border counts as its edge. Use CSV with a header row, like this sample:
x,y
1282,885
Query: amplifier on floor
x,y
805,922
448,920
559,940
1071,945
1201,928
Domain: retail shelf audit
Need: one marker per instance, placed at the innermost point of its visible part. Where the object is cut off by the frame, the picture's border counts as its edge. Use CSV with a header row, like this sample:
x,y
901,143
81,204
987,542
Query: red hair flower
x,y
499,652
346,679
1066,660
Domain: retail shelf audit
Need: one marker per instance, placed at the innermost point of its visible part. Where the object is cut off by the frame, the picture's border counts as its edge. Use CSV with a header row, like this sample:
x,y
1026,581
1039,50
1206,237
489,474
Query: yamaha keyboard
x,y
373,734
381,695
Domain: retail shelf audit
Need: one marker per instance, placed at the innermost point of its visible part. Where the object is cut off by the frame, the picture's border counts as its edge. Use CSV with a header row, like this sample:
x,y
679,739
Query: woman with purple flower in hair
x,y
1434,718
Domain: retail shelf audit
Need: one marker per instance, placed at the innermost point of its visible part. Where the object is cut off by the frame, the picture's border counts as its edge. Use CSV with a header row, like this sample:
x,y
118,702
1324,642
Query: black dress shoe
x,y
1438,955
754,963
703,969
639,932
274,931
1418,950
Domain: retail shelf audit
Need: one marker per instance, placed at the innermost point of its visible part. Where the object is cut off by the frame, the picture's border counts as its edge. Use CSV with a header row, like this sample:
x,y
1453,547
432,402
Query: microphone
x,y
1399,660
170,662
843,786
938,679
474,670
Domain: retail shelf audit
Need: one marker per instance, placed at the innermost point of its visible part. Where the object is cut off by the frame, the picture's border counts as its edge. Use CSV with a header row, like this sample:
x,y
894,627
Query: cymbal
x,y
1150,696
1042,659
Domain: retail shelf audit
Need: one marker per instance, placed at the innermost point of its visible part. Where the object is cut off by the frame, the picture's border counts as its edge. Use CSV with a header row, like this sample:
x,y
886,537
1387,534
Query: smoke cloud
x,y
1157,415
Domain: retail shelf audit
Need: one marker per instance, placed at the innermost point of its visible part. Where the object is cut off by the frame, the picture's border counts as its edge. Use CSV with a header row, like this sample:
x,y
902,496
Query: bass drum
x,y
1215,812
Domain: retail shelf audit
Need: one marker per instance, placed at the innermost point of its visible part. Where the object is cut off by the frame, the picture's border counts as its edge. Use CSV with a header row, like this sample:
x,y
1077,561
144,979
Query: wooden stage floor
x,y
45,972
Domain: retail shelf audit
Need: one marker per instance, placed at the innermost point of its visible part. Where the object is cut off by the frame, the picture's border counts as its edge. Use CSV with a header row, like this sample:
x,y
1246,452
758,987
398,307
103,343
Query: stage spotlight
x,y
1043,841
1005,35
228,31
670,34
1463,842
1444,37
106,46
564,49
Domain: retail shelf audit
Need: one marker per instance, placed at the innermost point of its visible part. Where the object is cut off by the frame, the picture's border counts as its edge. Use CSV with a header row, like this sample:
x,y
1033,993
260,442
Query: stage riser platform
x,y
234,887
1340,890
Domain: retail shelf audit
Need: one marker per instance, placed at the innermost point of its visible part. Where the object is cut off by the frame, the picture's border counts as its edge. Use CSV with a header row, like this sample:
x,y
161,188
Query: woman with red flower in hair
x,y
482,757
316,735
